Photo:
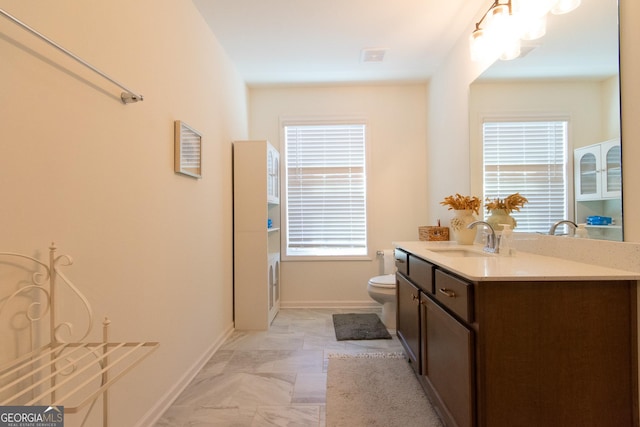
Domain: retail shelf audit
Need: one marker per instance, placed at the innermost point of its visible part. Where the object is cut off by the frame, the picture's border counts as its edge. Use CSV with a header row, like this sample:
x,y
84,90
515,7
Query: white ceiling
x,y
309,42
304,41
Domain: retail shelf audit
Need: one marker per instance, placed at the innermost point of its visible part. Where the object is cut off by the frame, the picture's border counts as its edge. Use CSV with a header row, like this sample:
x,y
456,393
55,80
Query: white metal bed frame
x,y
63,372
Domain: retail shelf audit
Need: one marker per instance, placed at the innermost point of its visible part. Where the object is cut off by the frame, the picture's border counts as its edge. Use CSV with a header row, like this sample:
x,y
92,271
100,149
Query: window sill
x,y
325,258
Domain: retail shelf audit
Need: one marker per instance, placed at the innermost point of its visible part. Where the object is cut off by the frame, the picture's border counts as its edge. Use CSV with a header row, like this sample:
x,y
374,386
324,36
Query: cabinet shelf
x,y
40,369
272,229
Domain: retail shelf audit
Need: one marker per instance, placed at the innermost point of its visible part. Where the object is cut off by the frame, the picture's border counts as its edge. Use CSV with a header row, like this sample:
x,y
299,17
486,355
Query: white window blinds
x,y
325,190
528,157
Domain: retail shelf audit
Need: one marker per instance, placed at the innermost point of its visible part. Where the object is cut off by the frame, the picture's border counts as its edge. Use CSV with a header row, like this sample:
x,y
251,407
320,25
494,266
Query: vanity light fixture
x,y
505,24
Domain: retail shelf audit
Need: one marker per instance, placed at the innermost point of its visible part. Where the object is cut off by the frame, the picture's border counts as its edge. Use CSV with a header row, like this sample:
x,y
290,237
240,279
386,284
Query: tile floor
x,y
271,378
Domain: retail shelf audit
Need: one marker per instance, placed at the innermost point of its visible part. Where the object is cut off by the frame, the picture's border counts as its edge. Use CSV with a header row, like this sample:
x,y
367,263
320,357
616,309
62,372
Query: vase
x,y
461,234
498,217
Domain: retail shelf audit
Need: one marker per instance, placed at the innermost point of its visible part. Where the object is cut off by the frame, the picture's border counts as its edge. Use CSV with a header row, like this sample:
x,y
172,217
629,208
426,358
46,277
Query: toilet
x,y
383,290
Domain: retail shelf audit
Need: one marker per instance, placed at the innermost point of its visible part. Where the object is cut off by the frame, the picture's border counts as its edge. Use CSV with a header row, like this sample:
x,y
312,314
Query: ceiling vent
x,y
373,55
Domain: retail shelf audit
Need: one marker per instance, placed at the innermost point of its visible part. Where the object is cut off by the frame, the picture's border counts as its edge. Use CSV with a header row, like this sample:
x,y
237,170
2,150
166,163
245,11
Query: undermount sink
x,y
461,253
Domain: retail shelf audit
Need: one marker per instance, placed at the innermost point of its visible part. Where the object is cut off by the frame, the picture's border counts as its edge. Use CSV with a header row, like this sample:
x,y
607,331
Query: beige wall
x,y
630,93
152,249
396,177
448,138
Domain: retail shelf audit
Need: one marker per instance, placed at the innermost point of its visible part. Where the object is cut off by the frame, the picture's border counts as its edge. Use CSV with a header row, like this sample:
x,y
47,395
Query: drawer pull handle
x,y
447,292
400,261
415,298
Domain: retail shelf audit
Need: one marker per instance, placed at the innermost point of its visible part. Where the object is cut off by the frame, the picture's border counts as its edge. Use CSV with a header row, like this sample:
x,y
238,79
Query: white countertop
x,y
523,266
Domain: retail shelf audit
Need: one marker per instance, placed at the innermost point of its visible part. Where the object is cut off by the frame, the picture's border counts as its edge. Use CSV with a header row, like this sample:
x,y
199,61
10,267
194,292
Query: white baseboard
x,y
153,415
329,304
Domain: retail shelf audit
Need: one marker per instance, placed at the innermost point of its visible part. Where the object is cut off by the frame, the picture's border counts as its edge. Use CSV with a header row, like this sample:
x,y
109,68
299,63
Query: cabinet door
x,y
587,165
612,170
408,320
450,364
273,175
274,285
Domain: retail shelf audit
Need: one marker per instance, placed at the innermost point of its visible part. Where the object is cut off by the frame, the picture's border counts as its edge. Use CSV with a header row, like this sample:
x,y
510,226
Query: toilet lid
x,y
386,281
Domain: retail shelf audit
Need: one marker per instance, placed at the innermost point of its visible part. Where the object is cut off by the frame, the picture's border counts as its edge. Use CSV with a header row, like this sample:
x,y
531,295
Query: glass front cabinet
x,y
273,175
598,188
598,171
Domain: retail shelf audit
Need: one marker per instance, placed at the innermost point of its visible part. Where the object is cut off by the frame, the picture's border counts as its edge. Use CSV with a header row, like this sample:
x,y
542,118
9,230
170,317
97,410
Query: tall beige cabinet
x,y
256,231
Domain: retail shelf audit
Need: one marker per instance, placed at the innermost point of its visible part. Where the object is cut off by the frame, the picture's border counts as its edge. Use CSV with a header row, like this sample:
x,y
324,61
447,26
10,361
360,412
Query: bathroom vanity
x,y
528,340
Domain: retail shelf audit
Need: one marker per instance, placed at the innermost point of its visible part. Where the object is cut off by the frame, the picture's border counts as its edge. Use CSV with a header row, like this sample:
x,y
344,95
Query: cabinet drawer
x,y
421,273
402,261
455,294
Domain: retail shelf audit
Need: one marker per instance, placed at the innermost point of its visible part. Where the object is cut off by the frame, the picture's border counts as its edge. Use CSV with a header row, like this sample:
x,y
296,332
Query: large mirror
x,y
572,74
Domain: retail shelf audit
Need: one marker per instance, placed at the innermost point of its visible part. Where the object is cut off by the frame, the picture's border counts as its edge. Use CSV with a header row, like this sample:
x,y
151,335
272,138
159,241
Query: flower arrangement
x,y
459,202
510,203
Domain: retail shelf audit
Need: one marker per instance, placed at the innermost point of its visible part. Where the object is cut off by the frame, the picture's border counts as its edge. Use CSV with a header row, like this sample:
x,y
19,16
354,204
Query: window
x,y
325,190
528,157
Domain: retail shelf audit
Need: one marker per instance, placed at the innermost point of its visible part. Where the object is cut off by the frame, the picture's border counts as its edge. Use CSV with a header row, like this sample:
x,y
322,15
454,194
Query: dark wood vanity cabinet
x,y
415,277
448,357
408,320
448,349
522,353
556,353
448,363
402,261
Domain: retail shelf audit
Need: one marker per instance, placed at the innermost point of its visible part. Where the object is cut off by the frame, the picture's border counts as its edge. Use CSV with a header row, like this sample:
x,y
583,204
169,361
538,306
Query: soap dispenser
x,y
506,241
581,232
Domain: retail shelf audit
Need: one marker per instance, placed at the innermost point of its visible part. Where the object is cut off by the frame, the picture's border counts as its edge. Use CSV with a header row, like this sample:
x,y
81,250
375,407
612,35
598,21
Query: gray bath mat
x,y
376,392
359,326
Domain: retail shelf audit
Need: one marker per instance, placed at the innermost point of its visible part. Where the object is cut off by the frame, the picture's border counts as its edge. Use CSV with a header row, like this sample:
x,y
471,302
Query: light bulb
x,y
565,6
533,27
503,32
510,49
497,17
501,24
532,8
479,45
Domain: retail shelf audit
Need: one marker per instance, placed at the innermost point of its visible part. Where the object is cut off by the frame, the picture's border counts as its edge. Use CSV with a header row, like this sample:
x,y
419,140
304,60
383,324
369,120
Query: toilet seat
x,y
386,281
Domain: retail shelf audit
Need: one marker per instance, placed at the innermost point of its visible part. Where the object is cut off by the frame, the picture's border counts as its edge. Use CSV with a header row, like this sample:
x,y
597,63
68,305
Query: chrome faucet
x,y
491,244
555,225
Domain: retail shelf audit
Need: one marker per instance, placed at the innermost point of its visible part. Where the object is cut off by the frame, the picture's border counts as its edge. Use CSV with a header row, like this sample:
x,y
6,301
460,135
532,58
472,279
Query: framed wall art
x,y
188,150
